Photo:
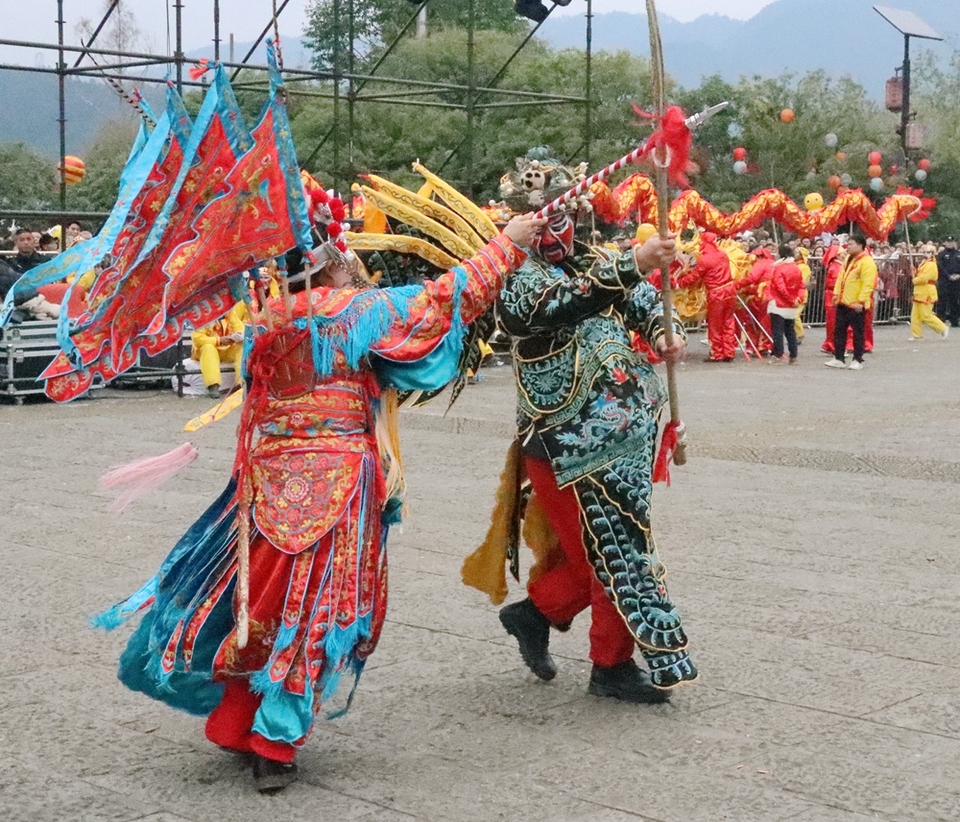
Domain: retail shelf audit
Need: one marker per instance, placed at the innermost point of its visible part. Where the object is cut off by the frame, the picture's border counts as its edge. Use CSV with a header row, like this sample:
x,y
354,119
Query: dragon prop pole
x,y
661,163
693,123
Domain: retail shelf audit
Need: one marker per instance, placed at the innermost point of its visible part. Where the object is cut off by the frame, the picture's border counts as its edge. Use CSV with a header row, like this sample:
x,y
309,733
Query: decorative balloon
x,y
875,170
846,179
645,231
834,182
811,175
876,184
875,158
787,115
842,190
72,169
739,153
831,140
841,156
740,167
924,164
920,174
813,201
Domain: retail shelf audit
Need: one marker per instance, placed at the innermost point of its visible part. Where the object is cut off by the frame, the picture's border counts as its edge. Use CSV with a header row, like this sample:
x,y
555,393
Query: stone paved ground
x,y
813,547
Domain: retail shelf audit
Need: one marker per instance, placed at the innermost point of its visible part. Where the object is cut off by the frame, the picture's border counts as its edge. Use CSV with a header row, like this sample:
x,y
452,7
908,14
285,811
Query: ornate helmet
x,y
540,178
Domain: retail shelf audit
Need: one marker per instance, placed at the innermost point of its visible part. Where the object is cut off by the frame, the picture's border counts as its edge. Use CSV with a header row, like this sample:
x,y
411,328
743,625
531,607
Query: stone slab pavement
x,y
812,542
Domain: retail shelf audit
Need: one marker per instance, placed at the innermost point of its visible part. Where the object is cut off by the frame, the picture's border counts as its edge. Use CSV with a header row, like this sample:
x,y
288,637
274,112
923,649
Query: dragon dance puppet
x,y
279,589
588,415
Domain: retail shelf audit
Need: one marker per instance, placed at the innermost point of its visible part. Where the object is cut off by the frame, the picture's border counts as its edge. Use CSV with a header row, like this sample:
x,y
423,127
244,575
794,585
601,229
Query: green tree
x,y
104,161
27,179
377,22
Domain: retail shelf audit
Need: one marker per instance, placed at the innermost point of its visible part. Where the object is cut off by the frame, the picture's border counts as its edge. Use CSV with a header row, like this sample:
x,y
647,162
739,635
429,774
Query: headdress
x,y
540,178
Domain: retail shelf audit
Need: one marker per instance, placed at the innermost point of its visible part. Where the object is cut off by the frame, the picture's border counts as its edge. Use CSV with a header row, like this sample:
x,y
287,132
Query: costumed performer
x,y
833,259
853,298
925,295
314,487
713,270
218,343
801,256
588,414
752,312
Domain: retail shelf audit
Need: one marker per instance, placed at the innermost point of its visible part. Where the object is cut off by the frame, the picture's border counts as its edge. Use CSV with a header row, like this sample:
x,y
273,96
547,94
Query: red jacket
x,y
712,269
786,286
759,275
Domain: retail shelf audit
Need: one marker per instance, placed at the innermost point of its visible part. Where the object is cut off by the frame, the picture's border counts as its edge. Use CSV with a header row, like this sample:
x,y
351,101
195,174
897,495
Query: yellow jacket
x,y
232,323
925,283
856,282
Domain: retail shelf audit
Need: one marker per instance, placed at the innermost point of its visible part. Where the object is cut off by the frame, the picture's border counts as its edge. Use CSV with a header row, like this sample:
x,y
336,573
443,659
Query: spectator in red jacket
x,y
713,270
785,293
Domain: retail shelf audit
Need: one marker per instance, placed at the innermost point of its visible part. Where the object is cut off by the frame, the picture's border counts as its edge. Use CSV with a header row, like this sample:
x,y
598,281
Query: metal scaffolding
x,y
343,84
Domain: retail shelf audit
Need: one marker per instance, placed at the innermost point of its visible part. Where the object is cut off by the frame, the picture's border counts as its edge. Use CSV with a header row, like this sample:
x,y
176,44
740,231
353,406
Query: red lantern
x,y
787,115
739,154
875,170
875,158
924,164
834,182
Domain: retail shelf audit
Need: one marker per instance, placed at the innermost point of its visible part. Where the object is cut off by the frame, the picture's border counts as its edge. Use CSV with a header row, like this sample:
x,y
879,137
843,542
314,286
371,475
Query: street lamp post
x,y
909,25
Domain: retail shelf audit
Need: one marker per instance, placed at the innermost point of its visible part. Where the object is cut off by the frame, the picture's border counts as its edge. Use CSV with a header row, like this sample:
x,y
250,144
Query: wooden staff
x,y
660,161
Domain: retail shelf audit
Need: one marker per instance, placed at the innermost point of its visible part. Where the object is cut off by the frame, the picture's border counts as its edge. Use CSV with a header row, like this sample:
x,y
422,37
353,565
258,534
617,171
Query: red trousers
x,y
569,587
831,313
231,722
720,325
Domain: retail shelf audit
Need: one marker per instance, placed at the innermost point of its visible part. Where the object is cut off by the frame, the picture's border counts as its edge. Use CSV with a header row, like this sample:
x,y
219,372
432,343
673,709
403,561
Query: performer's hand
x,y
857,308
655,253
523,229
674,353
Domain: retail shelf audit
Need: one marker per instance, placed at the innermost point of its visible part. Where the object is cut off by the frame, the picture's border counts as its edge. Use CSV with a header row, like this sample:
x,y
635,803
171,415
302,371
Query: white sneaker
x,y
835,363
946,332
911,338
855,366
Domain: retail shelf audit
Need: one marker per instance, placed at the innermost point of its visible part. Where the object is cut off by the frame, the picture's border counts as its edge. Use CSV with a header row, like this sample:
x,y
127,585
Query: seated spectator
x,y
48,243
217,343
29,304
26,256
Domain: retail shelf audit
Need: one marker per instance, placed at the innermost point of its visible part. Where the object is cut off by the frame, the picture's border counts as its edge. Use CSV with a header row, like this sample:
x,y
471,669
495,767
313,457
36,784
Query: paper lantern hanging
x,y
846,179
787,115
739,167
924,164
813,201
875,158
920,175
73,169
830,140
739,153
876,184
875,171
834,182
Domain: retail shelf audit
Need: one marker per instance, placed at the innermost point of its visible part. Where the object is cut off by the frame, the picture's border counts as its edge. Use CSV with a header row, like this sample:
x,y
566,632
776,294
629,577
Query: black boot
x,y
271,776
532,630
627,682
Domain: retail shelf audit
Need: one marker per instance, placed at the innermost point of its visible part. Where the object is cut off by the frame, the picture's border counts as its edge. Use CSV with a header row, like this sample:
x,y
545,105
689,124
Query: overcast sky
x,y
35,19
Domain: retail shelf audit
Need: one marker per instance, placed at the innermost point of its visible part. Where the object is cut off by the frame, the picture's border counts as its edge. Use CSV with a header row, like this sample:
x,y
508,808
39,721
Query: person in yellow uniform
x,y
217,343
800,256
925,295
853,297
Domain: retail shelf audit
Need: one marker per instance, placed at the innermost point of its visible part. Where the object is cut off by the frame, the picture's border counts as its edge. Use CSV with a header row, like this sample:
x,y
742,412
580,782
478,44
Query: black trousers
x,y
948,304
781,327
848,318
